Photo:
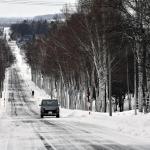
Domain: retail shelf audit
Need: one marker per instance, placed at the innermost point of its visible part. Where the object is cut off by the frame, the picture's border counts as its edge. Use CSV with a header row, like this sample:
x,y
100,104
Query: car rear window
x,y
50,102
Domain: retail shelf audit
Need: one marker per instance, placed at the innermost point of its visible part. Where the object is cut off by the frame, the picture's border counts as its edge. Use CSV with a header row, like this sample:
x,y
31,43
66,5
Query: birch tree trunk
x,y
135,84
140,77
102,65
128,85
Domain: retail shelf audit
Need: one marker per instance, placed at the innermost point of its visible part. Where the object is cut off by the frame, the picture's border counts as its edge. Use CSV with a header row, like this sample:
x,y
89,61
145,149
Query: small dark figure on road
x,y
32,93
121,103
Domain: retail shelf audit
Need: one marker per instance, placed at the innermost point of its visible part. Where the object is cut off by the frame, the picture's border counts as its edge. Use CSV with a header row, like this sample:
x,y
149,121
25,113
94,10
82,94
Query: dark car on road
x,y
49,107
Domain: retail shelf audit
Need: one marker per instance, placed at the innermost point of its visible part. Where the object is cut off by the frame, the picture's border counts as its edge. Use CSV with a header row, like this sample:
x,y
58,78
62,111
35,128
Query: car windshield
x,y
50,102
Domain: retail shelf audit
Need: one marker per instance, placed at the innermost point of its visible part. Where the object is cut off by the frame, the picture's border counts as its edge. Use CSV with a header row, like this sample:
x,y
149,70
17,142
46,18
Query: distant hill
x,y
11,20
48,17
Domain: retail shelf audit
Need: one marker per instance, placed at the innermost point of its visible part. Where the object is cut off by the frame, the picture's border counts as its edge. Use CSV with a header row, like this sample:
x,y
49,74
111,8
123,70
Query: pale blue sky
x,y
29,8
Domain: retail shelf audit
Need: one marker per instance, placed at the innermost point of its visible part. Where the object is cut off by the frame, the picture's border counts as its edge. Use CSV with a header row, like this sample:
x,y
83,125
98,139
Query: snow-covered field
x,y
123,127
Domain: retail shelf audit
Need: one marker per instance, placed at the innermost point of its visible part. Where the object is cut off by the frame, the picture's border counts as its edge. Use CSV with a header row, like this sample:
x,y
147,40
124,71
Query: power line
x,y
31,2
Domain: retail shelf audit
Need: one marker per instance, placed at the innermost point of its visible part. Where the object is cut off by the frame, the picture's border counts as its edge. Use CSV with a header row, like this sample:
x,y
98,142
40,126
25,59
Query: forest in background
x,y
99,55
6,58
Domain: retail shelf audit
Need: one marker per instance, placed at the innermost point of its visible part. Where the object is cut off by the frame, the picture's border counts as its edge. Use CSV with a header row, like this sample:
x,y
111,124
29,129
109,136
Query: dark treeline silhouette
x,y
29,28
6,59
98,54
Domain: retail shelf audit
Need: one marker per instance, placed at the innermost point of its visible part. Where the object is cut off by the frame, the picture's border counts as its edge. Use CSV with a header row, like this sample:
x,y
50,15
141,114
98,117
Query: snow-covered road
x,y
21,127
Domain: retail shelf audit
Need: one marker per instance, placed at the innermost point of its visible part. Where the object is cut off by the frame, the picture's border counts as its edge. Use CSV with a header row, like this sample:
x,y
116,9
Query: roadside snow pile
x,y
128,123
2,106
3,101
124,122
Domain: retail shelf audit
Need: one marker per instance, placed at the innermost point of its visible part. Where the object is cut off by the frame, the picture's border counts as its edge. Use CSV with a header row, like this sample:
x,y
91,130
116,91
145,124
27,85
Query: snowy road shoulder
x,y
126,122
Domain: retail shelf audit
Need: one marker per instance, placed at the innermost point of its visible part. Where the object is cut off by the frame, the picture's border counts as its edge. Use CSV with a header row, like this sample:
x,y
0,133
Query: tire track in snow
x,y
99,144
22,95
46,144
15,86
66,136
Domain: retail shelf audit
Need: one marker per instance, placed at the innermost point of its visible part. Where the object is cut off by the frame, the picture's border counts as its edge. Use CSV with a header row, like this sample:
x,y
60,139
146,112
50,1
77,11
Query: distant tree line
x,y
98,54
29,28
6,59
1,32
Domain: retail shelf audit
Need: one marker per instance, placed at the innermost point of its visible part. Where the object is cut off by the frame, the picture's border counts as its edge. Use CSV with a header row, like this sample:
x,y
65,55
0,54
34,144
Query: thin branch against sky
x,y
30,8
